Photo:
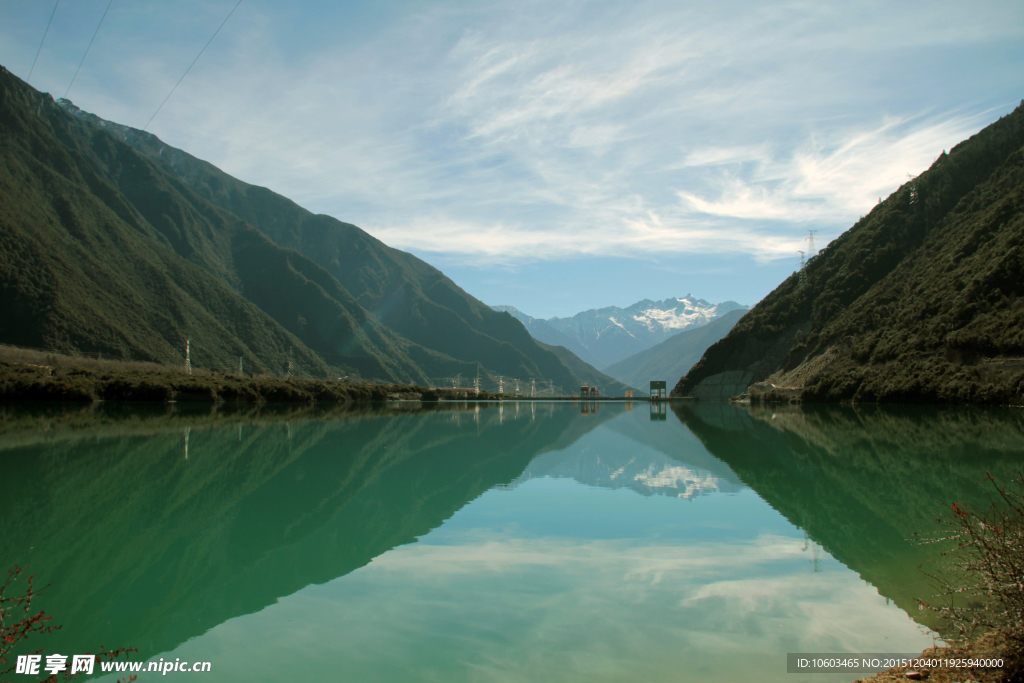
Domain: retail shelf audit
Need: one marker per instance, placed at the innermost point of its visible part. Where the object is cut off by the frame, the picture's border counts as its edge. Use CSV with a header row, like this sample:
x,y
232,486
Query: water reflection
x,y
864,483
154,525
514,541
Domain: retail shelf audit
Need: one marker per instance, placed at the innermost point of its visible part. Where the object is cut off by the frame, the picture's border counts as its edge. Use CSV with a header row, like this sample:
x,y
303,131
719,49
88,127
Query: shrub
x,y
982,584
12,632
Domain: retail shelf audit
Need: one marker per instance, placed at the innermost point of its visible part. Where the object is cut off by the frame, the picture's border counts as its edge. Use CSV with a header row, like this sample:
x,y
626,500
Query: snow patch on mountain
x,y
605,336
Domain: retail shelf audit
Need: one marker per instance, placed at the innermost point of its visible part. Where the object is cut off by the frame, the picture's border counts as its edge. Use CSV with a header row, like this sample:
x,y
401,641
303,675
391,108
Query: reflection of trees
x,y
146,548
862,482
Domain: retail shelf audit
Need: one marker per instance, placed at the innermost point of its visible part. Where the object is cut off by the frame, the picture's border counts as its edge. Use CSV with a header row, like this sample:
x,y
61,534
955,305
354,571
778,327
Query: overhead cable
x,y
86,49
192,64
42,41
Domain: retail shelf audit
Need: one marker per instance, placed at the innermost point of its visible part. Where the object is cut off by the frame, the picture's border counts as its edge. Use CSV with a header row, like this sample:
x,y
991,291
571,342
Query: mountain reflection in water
x,y
144,545
470,510
867,483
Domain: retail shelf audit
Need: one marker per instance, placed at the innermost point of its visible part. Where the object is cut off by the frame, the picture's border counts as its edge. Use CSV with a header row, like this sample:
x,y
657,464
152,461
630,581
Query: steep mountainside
x,y
542,331
673,358
80,267
401,291
605,336
587,375
109,246
919,301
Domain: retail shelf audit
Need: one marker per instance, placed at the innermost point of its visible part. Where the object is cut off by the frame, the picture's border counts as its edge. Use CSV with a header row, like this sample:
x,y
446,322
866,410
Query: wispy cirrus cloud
x,y
532,132
829,177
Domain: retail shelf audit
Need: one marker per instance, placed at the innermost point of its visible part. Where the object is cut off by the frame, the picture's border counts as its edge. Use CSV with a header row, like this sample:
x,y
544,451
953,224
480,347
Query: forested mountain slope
x,y
403,292
80,267
106,248
919,301
672,358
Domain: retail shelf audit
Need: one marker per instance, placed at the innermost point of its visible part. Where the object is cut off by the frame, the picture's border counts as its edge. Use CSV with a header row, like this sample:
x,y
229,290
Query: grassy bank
x,y
59,382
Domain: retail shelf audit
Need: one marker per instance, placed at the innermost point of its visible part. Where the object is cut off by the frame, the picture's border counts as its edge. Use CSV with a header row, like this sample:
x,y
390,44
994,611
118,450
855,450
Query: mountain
x,y
543,331
605,336
672,358
919,301
114,242
81,267
407,295
588,376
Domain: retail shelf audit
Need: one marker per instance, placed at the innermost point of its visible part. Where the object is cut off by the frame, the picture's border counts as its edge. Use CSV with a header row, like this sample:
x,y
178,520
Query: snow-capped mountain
x,y
648,473
607,335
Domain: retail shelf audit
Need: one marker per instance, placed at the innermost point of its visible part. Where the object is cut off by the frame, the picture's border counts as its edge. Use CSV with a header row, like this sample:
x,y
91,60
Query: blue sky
x,y
554,156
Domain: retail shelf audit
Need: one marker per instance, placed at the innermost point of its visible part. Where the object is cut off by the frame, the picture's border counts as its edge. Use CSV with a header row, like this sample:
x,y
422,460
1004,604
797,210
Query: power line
x,y
127,141
191,65
42,41
86,49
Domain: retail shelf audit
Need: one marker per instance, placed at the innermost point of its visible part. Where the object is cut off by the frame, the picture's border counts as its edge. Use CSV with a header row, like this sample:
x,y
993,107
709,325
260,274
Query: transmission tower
x,y
810,243
188,358
533,387
803,273
239,366
501,385
476,382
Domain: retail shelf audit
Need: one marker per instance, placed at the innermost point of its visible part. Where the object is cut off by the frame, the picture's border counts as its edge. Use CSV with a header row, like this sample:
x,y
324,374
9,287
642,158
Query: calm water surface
x,y
513,542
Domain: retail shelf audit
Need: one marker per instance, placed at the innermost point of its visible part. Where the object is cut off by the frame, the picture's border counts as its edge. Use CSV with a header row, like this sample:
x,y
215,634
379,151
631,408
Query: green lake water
x,y
488,542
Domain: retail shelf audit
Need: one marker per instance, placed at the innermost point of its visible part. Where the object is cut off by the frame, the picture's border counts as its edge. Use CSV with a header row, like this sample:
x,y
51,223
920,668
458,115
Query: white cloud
x,y
828,178
504,608
501,133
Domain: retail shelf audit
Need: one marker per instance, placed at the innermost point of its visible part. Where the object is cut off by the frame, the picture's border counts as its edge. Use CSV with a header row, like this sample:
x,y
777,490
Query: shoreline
x,y
23,382
988,646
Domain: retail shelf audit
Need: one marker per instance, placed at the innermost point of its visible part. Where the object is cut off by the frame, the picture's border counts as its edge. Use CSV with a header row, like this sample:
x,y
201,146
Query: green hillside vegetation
x,y
673,358
587,375
33,383
406,294
82,268
919,301
109,249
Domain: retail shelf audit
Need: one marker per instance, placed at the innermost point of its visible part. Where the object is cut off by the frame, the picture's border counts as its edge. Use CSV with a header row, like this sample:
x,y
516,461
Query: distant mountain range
x,y
673,358
920,301
605,336
112,241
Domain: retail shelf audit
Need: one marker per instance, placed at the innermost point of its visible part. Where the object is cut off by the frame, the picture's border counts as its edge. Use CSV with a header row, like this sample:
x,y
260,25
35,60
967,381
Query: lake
x,y
530,541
